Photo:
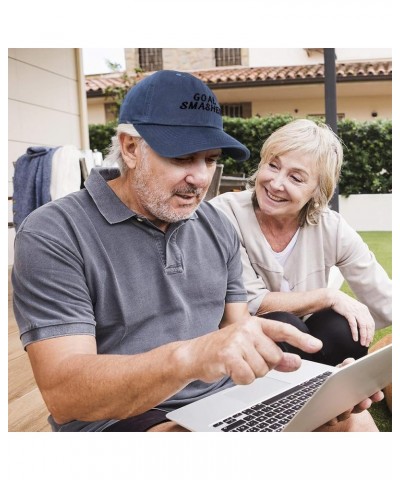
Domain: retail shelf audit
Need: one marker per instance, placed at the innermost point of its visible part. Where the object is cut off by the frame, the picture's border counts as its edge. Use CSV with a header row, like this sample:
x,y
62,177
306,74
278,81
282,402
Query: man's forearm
x,y
89,387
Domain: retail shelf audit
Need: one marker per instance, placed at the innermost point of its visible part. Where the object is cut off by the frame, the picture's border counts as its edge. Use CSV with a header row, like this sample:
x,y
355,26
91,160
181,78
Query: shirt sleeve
x,y
51,297
235,290
254,284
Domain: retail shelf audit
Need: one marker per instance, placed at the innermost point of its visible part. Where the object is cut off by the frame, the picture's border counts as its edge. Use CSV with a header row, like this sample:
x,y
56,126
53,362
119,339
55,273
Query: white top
x,y
282,256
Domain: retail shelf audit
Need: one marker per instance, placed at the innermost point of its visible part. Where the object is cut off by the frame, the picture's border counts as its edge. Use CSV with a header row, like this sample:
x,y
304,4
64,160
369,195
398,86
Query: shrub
x,y
367,166
100,136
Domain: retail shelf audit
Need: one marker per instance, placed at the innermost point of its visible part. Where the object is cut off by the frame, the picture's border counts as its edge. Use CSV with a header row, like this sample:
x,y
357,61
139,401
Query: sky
x,y
95,59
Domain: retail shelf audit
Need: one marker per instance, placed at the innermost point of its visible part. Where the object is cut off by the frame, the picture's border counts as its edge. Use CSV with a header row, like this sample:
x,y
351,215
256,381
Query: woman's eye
x,y
297,179
273,165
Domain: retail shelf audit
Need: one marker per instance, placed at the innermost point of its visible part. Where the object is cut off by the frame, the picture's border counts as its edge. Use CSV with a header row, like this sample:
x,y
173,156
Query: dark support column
x,y
330,105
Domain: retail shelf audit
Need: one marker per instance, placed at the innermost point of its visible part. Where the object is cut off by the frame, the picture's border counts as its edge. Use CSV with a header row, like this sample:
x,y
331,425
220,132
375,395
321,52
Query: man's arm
x,y
77,383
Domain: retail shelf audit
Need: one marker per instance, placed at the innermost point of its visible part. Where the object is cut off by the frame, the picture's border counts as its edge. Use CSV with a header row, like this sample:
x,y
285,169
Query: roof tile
x,y
97,84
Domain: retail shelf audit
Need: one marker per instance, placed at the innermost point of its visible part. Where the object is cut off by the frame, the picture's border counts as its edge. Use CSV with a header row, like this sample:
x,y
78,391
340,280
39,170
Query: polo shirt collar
x,y
108,203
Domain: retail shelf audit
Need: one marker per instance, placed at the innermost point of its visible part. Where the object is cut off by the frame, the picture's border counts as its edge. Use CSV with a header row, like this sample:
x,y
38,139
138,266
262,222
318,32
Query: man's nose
x,y
199,173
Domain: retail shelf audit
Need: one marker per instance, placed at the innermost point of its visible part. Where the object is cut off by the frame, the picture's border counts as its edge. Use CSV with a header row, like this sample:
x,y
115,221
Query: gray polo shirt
x,y
87,264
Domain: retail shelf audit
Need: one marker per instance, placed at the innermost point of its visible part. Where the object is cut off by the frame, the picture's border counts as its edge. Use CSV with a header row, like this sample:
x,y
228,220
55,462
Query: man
x,y
128,294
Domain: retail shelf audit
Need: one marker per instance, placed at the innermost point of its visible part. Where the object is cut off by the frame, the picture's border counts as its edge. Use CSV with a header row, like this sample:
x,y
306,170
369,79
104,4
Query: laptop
x,y
299,401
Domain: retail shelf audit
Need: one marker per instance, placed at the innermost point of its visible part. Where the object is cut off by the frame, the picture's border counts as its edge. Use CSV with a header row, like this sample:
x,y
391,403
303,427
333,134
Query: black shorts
x,y
139,423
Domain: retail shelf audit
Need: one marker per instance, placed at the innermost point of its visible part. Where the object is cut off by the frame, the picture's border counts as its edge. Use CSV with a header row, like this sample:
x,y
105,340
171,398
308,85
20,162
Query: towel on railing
x,y
32,175
65,172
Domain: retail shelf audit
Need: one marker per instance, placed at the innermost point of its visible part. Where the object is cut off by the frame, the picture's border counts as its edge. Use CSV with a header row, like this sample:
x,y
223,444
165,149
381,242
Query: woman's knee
x,y
334,331
287,317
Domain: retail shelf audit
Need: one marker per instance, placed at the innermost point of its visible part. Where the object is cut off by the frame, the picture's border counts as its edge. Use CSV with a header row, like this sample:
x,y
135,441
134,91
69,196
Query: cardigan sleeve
x,y
365,276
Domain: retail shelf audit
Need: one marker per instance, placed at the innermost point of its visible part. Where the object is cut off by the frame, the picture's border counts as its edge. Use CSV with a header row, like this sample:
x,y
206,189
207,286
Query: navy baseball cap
x,y
177,114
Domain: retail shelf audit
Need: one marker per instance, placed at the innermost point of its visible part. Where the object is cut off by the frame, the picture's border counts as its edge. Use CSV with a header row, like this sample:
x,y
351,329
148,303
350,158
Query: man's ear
x,y
129,149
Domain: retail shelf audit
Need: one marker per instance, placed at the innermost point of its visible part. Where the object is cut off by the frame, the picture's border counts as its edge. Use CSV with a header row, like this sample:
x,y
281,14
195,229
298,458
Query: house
x,y
249,82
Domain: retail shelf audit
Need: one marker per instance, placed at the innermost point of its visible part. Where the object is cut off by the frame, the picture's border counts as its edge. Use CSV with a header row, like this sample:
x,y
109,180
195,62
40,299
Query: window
x,y
242,110
150,59
227,56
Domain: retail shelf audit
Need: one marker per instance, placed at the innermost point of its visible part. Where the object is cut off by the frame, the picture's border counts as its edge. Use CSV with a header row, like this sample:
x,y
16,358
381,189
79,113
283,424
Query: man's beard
x,y
156,201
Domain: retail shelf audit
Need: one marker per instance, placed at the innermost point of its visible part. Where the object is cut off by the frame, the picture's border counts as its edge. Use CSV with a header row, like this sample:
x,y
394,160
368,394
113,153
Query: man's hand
x,y
244,351
360,407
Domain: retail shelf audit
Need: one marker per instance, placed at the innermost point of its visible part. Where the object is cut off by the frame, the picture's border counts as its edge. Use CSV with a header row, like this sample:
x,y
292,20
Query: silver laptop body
x,y
289,402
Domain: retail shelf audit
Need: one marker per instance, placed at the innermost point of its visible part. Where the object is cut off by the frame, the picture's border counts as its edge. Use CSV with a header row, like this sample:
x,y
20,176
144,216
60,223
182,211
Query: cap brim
x,y
175,141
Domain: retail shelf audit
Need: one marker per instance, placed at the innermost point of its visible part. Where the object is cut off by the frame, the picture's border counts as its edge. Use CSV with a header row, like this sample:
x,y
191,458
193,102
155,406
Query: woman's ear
x,y
129,149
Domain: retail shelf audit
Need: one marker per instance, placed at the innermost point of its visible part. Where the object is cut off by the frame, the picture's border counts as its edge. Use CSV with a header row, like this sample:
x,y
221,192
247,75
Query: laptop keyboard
x,y
273,414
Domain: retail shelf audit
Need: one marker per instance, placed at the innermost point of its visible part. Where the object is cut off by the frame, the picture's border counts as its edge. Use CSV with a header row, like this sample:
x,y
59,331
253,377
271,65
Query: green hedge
x,y
367,166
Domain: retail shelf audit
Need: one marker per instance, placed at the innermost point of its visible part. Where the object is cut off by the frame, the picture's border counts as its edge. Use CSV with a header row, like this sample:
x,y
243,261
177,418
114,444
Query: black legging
x,y
331,328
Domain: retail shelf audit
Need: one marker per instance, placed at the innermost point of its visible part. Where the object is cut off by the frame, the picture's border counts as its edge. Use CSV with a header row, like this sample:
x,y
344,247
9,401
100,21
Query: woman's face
x,y
285,184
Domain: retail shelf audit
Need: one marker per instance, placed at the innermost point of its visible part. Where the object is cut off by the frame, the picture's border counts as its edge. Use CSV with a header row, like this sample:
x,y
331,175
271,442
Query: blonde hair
x,y
316,140
114,150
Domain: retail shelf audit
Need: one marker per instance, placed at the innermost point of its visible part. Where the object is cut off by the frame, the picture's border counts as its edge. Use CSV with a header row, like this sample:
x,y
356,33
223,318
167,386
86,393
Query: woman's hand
x,y
356,313
360,407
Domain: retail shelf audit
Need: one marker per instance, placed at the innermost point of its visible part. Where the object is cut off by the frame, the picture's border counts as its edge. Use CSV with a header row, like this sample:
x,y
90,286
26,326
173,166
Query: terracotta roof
x,y
257,76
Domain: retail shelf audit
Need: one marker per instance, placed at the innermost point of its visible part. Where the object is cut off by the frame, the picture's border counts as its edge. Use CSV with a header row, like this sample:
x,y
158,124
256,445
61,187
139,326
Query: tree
x,y
117,93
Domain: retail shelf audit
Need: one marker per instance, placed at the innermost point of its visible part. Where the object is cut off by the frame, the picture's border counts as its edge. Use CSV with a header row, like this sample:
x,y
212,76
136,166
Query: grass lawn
x,y
380,243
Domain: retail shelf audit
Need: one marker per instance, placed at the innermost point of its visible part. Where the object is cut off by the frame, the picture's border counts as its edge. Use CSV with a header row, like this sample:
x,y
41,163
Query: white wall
x,y
46,105
367,212
96,110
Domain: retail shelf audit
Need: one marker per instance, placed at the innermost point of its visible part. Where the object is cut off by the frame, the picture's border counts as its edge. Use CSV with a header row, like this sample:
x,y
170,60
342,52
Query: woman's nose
x,y
277,182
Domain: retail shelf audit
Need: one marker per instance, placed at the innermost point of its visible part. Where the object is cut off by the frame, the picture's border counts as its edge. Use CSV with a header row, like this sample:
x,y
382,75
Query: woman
x,y
291,239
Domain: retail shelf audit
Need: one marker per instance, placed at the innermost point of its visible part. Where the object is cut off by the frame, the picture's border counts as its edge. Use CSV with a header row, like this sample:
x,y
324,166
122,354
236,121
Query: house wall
x,y
204,58
96,110
46,105
188,58
356,100
182,58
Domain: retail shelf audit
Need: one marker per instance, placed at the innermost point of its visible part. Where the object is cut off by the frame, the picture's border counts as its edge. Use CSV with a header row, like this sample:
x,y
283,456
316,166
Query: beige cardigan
x,y
318,248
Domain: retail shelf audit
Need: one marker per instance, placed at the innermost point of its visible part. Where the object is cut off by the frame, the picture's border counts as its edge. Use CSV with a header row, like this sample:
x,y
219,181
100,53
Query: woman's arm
x,y
298,303
303,303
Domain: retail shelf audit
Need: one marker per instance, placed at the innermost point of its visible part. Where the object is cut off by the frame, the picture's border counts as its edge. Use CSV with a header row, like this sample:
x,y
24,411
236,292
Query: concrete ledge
x,y
367,212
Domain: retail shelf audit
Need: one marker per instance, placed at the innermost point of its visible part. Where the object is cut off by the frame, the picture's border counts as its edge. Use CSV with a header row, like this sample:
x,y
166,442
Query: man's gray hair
x,y
114,156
